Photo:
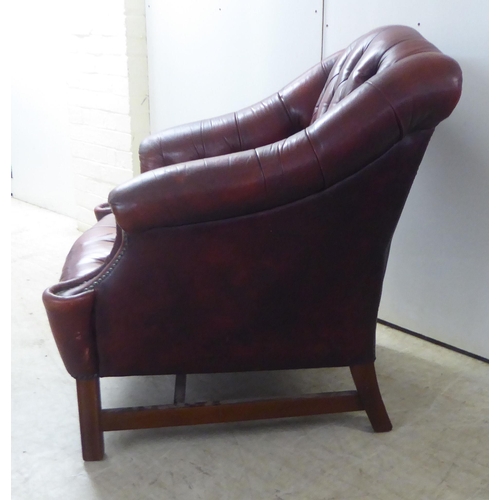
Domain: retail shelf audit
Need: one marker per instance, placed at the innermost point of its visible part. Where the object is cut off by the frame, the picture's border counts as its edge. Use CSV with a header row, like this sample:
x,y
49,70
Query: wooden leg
x,y
366,383
89,408
94,420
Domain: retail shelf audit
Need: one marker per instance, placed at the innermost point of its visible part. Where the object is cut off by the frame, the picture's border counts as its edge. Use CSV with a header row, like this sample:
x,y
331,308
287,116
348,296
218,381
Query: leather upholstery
x,y
258,240
265,156
91,250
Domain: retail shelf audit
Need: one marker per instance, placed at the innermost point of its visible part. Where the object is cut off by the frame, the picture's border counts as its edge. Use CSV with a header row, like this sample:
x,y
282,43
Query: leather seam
x,y
228,218
110,269
286,109
203,141
238,130
193,142
261,170
162,152
325,72
316,156
398,120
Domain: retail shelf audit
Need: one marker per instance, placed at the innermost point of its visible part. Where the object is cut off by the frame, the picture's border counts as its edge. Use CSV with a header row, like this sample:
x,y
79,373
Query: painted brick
x,y
106,120
120,141
95,187
83,98
92,81
112,64
113,45
95,117
83,133
104,101
86,45
87,168
115,176
99,172
92,152
120,86
102,137
118,122
111,26
88,200
107,97
123,159
82,63
75,114
114,103
85,218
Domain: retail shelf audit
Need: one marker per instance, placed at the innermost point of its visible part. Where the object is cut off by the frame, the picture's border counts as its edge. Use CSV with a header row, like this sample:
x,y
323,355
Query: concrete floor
x,y
437,401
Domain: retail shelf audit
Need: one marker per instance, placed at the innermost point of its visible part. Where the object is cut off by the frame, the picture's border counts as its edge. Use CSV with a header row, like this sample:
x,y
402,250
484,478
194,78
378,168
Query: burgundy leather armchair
x,y
257,240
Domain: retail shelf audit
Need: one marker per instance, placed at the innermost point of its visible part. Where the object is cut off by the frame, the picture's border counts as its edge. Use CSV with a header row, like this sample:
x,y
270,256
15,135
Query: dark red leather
x,y
293,287
91,250
102,210
384,86
258,240
70,318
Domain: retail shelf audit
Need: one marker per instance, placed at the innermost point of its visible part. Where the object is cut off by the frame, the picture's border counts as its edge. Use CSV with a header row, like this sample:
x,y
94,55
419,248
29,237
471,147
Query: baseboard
x,y
433,341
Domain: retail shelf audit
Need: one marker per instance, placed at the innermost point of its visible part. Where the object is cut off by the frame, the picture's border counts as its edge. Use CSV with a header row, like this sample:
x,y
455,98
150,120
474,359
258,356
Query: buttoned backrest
x,y
366,57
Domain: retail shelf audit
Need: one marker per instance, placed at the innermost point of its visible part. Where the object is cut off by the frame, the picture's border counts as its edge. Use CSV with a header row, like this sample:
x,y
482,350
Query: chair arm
x,y
352,134
219,187
71,324
266,122
102,210
334,147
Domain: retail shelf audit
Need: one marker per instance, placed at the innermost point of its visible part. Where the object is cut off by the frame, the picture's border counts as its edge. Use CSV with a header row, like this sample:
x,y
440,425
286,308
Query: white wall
x,y
213,57
79,101
40,152
98,101
437,278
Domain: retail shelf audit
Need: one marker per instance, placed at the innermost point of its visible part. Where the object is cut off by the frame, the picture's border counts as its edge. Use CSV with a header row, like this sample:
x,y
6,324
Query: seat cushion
x,y
91,249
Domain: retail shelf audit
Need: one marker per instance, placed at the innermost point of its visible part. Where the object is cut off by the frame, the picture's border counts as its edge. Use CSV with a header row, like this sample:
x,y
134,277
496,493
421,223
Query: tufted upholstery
x,y
258,240
299,141
91,251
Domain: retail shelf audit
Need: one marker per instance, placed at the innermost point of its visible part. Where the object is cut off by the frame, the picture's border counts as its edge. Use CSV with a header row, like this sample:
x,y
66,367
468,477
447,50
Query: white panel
x,y
207,58
41,160
437,278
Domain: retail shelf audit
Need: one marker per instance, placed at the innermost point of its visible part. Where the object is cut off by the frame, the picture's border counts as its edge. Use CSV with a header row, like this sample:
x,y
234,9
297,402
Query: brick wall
x,y
108,98
135,22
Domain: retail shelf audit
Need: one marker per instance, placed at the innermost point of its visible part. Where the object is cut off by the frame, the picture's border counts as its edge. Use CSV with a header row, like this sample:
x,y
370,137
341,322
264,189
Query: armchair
x,y
254,241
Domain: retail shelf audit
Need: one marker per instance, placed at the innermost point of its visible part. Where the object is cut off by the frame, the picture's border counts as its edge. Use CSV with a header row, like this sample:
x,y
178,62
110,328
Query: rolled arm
x,y
349,136
258,179
219,187
334,147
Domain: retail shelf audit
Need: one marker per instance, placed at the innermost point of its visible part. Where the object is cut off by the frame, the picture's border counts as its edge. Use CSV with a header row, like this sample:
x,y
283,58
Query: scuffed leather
x,y
259,240
70,319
